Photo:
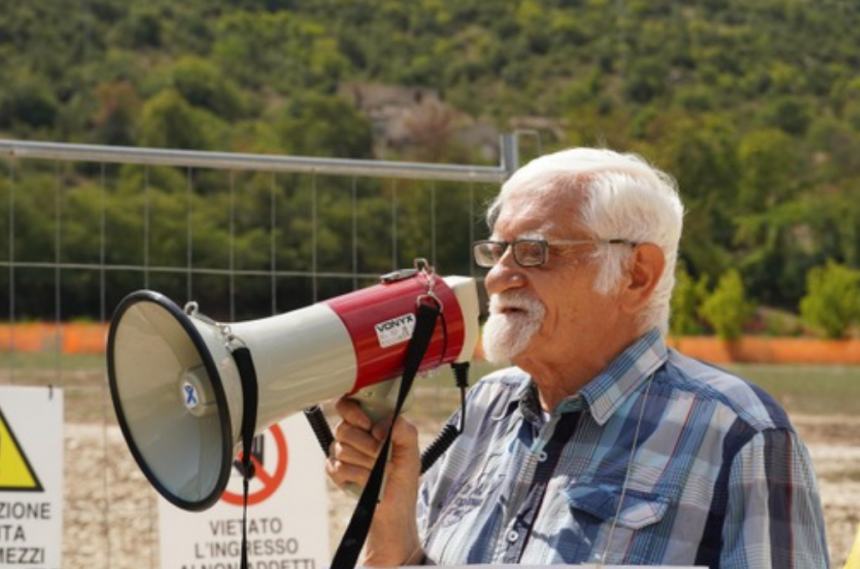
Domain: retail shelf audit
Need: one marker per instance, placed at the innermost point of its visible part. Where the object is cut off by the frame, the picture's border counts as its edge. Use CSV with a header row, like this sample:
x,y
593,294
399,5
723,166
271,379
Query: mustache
x,y
515,300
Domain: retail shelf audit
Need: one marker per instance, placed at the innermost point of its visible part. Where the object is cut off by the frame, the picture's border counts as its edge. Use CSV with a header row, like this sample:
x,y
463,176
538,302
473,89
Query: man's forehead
x,y
539,214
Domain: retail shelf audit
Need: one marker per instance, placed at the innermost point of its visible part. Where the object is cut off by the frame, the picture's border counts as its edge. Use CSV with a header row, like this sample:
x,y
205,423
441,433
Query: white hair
x,y
624,198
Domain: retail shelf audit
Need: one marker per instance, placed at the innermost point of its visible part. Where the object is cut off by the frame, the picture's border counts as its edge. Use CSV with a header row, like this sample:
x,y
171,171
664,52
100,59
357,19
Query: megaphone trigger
x,y
378,400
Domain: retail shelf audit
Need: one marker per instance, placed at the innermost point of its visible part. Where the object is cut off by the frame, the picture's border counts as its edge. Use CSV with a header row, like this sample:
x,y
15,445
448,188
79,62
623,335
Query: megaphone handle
x,y
378,402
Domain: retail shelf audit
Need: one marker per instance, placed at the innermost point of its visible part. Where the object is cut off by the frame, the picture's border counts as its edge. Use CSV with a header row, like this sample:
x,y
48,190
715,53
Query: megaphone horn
x,y
178,395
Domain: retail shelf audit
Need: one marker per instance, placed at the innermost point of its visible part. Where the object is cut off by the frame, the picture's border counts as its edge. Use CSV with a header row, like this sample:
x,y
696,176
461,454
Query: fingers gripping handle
x,y
378,402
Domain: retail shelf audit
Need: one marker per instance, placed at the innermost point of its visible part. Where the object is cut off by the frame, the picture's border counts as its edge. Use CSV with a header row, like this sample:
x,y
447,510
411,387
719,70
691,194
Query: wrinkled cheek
x,y
547,329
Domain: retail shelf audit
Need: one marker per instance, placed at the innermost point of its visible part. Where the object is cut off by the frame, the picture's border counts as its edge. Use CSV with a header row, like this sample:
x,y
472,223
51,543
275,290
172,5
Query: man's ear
x,y
644,271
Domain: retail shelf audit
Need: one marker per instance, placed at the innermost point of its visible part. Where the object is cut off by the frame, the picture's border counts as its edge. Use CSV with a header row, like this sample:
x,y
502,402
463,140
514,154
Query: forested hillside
x,y
753,105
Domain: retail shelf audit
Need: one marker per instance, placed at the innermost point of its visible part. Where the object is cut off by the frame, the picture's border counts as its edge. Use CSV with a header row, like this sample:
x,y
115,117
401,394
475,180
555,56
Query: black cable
x,y
438,447
461,376
449,432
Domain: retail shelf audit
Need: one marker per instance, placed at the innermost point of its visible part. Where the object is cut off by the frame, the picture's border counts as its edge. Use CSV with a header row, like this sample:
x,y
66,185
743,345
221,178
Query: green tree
x,y
770,164
687,297
701,154
28,101
282,50
203,85
727,309
114,120
141,28
169,121
644,79
837,146
323,125
791,114
832,301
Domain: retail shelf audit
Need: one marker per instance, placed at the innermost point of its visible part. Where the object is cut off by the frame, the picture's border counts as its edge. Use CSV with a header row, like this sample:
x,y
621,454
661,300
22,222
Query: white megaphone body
x,y
177,391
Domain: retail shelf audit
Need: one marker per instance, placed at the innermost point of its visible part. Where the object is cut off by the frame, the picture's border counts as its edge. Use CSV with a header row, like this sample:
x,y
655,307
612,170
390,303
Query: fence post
x,y
510,159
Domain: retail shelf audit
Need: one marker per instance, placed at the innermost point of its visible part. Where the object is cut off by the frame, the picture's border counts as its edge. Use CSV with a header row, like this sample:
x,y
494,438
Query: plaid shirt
x,y
717,476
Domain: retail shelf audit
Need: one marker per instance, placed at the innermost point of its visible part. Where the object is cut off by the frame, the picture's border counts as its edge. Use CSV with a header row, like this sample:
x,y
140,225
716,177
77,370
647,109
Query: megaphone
x,y
177,391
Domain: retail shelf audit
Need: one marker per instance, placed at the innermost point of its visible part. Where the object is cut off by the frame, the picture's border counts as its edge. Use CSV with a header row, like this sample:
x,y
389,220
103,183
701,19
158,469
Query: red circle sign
x,y
270,480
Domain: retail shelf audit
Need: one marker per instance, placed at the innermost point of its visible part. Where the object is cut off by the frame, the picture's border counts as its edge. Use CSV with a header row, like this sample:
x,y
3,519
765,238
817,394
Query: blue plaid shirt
x,y
717,476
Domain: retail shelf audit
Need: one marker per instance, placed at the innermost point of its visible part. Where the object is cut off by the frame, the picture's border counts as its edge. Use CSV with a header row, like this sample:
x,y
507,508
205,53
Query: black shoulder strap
x,y
353,539
250,396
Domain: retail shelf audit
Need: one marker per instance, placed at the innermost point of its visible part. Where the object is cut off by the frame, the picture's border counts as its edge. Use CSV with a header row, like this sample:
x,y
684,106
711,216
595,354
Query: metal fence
x,y
60,264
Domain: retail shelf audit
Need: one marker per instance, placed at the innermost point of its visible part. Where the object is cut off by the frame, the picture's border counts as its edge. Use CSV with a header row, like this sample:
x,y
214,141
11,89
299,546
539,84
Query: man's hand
x,y
393,538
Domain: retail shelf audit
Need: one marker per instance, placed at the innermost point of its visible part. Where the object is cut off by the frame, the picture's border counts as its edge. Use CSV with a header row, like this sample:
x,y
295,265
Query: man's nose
x,y
506,274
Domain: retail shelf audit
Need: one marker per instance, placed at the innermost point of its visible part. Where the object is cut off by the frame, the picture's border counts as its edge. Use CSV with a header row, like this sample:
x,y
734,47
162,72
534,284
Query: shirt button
x,y
513,536
542,456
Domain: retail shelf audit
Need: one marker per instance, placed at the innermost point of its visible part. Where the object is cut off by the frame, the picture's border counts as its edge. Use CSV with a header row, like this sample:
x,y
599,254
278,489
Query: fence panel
x,y
246,236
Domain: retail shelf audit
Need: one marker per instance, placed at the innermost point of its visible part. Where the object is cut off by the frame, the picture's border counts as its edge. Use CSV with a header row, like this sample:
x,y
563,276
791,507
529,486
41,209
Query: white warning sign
x,y
287,511
31,477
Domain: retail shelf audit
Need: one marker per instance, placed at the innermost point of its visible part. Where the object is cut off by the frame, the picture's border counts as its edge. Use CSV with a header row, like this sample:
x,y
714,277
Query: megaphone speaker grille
x,y
169,400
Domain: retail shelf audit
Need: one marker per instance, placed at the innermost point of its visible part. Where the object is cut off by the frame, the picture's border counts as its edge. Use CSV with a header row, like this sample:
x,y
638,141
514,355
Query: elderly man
x,y
601,444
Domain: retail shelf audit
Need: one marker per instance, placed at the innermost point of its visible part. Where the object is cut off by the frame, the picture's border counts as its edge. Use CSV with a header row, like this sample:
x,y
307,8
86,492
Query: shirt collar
x,y
608,390
524,401
611,387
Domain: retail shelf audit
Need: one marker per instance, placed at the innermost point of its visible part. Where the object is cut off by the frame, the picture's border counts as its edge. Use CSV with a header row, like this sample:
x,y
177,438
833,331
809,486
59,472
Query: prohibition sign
x,y
270,481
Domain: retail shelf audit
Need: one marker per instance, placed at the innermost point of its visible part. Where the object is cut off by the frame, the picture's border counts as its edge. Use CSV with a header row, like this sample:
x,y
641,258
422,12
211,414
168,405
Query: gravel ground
x,y
110,511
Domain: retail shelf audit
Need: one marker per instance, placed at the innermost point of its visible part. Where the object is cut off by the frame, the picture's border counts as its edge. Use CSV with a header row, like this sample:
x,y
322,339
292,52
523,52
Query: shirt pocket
x,y
594,506
639,509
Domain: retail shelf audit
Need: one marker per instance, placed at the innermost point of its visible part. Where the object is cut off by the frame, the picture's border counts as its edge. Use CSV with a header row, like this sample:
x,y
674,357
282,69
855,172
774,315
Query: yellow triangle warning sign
x,y
16,474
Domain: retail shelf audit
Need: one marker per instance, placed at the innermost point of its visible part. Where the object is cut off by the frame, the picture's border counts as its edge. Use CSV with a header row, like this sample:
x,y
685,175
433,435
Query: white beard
x,y
507,333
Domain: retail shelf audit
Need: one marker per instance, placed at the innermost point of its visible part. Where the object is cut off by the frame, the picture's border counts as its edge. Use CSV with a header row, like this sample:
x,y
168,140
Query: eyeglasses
x,y
529,252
